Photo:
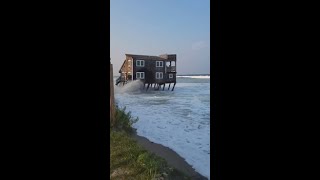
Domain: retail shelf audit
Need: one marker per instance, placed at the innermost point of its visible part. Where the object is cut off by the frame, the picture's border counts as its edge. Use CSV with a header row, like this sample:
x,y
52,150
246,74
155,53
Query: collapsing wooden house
x,y
153,71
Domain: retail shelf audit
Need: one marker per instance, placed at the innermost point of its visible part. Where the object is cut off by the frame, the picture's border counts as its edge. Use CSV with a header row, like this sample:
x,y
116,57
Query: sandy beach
x,y
172,158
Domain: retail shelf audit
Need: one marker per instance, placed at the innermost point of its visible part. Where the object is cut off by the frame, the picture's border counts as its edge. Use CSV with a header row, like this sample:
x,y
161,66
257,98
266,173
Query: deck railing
x,y
171,69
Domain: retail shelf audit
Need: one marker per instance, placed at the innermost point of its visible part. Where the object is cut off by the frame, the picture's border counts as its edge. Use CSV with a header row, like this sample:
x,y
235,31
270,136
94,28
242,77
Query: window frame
x,y
158,73
159,62
141,64
140,73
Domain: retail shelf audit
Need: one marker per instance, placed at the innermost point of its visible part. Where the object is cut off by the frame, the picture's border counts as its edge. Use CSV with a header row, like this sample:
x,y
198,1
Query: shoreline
x,y
173,159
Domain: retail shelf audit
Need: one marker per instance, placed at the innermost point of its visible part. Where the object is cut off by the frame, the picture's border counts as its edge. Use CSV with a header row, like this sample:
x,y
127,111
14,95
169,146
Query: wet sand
x,y
172,158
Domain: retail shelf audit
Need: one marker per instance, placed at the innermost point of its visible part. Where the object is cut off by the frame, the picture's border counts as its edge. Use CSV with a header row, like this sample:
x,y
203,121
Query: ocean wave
x,y
197,77
178,119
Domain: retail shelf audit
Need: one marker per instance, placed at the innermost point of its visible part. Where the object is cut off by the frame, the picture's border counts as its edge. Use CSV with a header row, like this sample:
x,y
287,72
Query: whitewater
x,y
178,119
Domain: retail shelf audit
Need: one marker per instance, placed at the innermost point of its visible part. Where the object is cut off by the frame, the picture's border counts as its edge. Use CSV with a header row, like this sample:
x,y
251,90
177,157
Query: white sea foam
x,y
197,77
178,119
134,86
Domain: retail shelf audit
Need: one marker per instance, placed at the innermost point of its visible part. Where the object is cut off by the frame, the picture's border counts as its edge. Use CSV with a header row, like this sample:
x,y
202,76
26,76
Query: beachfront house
x,y
156,71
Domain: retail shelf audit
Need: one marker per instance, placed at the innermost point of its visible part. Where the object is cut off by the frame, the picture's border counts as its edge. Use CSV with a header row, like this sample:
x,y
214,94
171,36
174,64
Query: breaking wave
x,y
130,87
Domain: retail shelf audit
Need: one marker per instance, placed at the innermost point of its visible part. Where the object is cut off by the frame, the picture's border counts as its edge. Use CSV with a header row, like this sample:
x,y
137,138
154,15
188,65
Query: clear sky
x,y
154,27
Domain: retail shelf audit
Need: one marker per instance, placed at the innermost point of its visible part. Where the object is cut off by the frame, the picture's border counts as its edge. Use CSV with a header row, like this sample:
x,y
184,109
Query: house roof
x,y
145,57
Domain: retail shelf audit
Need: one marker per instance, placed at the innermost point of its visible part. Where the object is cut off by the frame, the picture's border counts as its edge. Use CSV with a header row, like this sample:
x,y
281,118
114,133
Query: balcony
x,y
171,68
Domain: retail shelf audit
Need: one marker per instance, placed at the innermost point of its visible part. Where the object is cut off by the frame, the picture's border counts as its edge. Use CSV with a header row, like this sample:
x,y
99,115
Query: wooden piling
x,y
112,100
148,86
173,86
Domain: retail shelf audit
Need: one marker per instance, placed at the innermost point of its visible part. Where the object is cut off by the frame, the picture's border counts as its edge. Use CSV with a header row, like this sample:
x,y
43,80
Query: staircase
x,y
118,80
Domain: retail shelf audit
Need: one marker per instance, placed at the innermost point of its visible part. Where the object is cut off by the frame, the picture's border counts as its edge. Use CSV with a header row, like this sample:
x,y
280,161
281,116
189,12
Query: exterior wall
x,y
172,57
170,80
160,69
127,69
150,68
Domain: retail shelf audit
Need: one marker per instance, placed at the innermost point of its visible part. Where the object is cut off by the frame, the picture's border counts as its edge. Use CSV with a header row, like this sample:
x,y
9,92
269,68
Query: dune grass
x,y
128,160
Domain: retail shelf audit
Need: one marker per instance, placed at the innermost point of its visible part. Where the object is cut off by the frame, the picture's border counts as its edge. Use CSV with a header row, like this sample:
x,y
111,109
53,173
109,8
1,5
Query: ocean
x,y
178,119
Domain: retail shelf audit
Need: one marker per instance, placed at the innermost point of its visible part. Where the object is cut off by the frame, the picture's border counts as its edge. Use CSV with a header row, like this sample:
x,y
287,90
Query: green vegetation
x,y
128,160
123,121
